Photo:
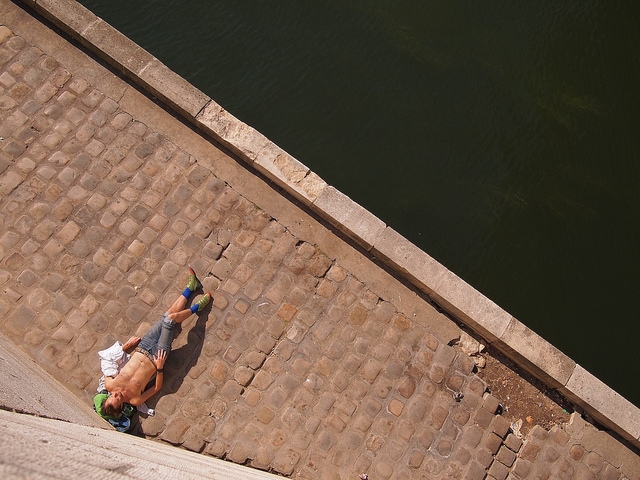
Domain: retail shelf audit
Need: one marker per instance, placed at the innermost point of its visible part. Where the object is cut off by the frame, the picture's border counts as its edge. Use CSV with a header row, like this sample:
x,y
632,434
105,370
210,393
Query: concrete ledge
x,y
350,218
112,45
258,151
123,54
174,90
68,15
444,287
408,260
289,173
128,58
241,139
471,307
77,451
535,354
26,387
603,404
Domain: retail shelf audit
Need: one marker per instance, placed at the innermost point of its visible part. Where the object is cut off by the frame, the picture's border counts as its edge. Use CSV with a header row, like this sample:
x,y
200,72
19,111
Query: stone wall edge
x,y
68,15
470,306
535,354
408,260
349,217
603,404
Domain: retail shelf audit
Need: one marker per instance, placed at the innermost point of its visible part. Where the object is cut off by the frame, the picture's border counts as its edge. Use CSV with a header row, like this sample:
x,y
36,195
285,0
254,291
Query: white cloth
x,y
112,360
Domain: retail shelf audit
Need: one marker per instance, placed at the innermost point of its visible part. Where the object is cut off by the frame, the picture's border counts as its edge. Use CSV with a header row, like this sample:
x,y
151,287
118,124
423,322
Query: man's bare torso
x,y
134,377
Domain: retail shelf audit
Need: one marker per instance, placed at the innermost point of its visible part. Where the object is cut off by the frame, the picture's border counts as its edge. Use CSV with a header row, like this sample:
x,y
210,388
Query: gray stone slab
x,y
256,150
604,404
72,16
469,305
117,49
25,387
537,355
75,451
407,259
246,140
173,89
230,132
350,218
289,173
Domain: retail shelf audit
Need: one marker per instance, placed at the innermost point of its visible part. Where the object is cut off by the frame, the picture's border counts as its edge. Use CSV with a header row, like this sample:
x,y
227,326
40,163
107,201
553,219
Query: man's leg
x,y
160,336
179,314
178,305
170,318
177,311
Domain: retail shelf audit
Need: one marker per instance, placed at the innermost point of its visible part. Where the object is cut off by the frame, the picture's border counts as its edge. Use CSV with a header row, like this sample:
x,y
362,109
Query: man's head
x,y
109,405
112,407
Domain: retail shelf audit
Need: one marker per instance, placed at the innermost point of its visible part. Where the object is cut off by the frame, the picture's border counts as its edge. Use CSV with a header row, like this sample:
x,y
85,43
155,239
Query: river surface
x,y
502,137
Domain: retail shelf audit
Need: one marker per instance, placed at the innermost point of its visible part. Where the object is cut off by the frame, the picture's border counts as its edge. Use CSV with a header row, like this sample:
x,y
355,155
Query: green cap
x,y
98,401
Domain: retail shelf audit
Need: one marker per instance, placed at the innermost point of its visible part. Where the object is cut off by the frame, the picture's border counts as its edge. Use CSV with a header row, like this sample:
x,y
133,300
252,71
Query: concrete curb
x,y
27,388
78,451
445,288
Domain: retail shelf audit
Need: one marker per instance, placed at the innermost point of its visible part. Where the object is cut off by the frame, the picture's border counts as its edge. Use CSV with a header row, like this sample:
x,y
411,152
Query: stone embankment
x,y
313,361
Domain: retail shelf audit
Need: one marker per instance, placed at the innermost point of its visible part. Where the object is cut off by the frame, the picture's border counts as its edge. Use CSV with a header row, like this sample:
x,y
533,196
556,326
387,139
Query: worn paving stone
x,y
298,366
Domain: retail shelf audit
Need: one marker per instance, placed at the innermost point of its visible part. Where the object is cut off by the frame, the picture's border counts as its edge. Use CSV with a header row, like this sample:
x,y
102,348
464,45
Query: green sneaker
x,y
200,304
193,284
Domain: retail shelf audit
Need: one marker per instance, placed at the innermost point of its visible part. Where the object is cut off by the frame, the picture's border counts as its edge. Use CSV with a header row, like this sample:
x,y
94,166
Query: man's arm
x,y
150,392
131,344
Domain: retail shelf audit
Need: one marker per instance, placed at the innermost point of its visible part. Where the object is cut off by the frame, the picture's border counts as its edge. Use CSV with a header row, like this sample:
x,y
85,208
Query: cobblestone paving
x,y
298,366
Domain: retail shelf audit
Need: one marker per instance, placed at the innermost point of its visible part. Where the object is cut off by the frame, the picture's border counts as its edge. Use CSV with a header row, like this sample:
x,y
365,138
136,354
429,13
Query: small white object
x,y
142,408
515,428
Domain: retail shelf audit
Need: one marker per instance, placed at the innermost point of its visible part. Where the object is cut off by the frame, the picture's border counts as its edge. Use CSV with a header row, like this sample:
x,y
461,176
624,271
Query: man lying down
x,y
127,369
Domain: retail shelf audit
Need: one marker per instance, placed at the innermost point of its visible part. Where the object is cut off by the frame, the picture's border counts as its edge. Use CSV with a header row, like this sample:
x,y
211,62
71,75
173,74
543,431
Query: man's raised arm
x,y
158,360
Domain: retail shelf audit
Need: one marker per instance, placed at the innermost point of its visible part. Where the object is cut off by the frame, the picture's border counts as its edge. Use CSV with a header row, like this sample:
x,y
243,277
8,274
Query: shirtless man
x,y
149,356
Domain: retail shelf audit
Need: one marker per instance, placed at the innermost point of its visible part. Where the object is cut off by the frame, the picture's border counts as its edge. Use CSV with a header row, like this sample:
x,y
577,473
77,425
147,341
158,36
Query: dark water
x,y
502,137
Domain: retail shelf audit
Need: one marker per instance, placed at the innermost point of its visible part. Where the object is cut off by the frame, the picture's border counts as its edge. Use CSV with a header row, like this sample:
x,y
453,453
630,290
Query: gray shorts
x,y
159,337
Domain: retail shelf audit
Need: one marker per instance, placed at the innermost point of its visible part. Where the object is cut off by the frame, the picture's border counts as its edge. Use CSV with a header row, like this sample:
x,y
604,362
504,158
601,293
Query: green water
x,y
501,137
